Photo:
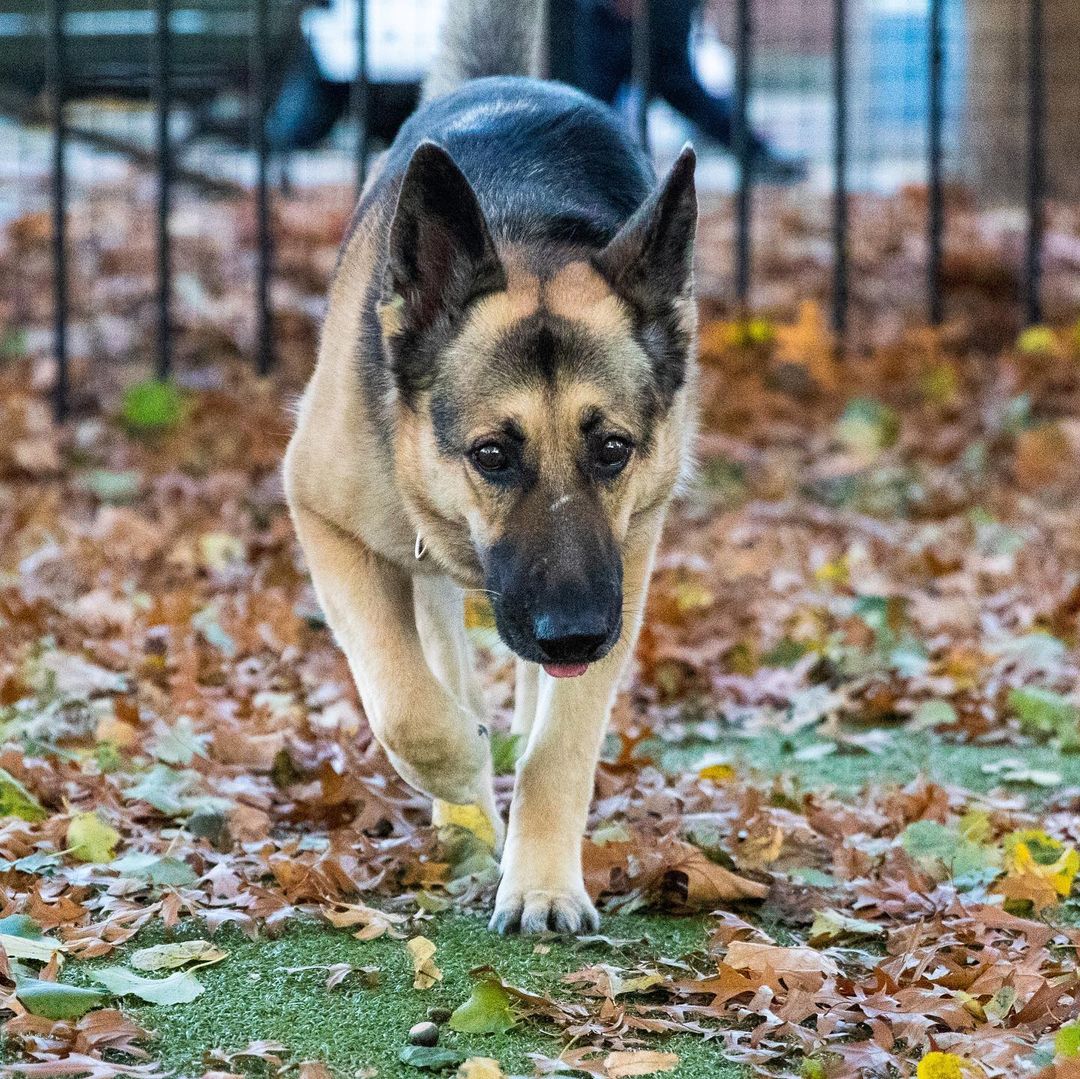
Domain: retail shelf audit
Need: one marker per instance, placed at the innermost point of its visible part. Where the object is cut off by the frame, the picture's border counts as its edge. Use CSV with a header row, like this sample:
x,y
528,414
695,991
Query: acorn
x,y
424,1034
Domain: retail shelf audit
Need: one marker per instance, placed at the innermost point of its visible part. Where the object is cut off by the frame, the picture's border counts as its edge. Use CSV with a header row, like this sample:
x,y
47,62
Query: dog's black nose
x,y
576,639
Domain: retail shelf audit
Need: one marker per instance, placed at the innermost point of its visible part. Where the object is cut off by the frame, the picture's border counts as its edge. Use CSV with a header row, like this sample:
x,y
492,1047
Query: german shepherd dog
x,y
502,402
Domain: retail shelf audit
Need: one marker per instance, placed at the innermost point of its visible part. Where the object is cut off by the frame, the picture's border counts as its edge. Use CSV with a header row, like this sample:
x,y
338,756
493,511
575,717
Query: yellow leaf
x,y
837,572
946,1066
1034,853
427,973
718,773
692,595
90,839
220,550
472,818
1037,341
478,612
481,1068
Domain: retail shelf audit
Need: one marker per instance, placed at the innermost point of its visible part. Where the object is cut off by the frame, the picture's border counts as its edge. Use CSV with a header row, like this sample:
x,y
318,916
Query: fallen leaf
x,y
55,1000
180,954
620,1065
427,973
91,839
178,988
749,955
17,801
487,1011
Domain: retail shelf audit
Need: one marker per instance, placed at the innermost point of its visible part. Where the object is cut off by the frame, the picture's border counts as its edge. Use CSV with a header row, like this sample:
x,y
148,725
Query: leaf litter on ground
x,y
874,547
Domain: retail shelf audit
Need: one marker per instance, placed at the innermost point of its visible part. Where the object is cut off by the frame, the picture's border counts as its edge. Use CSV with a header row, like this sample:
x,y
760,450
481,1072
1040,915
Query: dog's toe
x,y
545,912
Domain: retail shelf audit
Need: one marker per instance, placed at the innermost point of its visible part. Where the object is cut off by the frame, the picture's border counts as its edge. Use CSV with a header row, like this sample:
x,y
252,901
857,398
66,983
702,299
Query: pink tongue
x,y
566,670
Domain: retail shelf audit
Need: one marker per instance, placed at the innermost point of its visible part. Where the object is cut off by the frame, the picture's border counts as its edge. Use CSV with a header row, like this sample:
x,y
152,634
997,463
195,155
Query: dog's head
x,y
540,389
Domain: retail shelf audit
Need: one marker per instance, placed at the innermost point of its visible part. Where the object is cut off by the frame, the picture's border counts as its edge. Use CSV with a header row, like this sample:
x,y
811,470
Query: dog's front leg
x,y
542,885
436,743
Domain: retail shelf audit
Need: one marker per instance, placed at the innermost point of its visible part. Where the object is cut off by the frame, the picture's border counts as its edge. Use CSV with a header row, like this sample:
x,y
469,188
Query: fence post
x,y
162,96
360,97
264,356
641,30
840,161
56,73
743,150
1036,165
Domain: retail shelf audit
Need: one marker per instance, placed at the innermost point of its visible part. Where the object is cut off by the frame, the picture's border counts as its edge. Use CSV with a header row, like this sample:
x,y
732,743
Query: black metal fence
x,y
561,40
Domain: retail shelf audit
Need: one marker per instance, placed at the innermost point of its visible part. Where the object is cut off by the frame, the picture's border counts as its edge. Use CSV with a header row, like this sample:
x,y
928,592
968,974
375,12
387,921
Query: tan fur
x,y
399,620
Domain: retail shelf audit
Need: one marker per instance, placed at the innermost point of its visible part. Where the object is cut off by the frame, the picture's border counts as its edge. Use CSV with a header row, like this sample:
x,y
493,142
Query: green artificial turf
x,y
251,996
907,755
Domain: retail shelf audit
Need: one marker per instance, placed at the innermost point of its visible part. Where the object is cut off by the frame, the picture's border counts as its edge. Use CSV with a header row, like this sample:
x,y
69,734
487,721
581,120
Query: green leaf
x,y
178,988
17,801
867,427
21,939
156,869
55,1000
830,925
951,855
487,1011
109,486
91,839
430,1057
152,406
505,751
811,877
1067,1041
1044,712
179,744
931,714
21,925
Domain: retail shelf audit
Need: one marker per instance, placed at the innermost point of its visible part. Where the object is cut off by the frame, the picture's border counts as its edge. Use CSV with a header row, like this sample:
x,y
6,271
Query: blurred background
x,y
175,177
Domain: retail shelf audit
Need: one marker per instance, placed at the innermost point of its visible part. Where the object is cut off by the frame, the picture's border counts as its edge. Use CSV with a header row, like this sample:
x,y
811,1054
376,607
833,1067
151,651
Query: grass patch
x,y
909,755
250,996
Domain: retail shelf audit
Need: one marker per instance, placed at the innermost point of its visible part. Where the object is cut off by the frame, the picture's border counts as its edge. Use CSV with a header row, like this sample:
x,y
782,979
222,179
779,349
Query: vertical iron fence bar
x,y
56,73
840,163
360,97
743,149
260,78
561,40
641,47
162,96
935,209
1036,171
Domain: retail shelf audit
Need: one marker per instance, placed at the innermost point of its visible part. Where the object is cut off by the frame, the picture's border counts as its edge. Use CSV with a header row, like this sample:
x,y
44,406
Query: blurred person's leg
x,y
674,79
603,50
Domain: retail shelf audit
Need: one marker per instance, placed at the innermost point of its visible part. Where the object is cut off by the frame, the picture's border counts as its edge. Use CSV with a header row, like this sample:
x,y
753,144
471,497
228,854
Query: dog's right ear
x,y
441,252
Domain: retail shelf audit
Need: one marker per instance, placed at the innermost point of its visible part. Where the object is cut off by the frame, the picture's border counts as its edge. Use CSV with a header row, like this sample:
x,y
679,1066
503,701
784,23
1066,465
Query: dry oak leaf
x,y
747,955
808,344
619,1065
707,883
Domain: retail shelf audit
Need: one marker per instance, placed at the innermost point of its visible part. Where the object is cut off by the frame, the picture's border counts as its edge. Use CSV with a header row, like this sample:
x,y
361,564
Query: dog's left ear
x,y
649,262
441,252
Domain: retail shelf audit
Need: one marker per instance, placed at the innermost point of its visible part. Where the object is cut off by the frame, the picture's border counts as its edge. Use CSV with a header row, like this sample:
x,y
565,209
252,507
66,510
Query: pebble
x,y
424,1034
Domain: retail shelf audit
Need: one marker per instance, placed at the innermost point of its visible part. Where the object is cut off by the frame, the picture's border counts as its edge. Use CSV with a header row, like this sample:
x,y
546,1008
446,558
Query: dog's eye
x,y
490,457
613,453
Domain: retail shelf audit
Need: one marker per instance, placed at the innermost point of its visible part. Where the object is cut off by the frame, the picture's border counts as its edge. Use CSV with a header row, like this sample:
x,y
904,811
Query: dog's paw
x,y
529,912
